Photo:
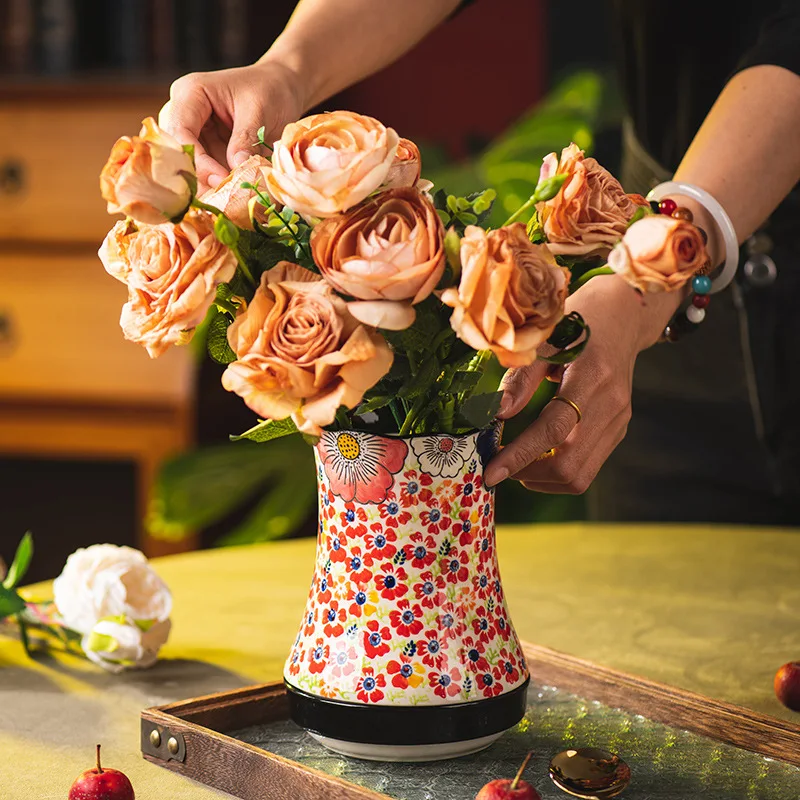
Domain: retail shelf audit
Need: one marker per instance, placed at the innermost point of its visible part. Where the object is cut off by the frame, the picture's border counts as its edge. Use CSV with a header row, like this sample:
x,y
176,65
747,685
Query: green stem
x,y
408,426
587,276
396,413
205,206
529,203
238,253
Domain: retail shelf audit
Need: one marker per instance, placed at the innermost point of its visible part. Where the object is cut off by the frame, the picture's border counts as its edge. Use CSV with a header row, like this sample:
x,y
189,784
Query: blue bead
x,y
701,284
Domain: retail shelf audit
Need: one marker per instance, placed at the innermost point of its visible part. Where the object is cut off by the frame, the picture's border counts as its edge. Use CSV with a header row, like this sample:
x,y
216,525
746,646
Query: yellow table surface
x,y
714,610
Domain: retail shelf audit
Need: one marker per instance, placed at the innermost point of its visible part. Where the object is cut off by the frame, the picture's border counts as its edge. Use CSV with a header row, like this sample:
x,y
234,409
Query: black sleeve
x,y
778,41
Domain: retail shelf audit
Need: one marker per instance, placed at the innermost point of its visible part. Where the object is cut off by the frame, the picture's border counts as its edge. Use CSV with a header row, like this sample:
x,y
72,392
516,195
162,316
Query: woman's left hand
x,y
599,382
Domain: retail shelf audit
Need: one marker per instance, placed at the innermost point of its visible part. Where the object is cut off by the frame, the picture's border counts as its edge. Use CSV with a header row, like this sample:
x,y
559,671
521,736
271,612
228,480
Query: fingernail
x,y
496,476
215,180
240,157
506,404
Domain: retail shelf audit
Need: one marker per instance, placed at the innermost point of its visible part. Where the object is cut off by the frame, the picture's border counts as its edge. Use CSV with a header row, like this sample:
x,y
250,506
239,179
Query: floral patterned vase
x,y
406,651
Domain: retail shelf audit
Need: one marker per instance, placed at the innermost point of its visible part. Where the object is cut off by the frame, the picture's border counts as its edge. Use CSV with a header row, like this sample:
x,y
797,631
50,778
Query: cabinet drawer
x,y
51,155
60,337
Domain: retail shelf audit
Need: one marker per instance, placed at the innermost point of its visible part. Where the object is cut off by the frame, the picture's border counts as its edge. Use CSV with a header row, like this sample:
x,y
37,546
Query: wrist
x,y
289,57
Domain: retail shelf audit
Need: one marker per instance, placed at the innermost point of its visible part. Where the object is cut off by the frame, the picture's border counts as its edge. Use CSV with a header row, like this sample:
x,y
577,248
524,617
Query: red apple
x,y
787,685
101,784
507,789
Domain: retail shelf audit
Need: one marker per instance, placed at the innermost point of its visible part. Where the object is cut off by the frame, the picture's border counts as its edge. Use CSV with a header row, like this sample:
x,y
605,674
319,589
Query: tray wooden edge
x,y
241,769
675,707
228,764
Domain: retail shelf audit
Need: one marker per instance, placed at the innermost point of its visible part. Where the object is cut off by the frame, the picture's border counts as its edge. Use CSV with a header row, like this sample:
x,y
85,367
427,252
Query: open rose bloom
x,y
342,295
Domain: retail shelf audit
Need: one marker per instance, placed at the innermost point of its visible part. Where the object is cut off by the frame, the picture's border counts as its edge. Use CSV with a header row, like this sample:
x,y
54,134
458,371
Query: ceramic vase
x,y
406,651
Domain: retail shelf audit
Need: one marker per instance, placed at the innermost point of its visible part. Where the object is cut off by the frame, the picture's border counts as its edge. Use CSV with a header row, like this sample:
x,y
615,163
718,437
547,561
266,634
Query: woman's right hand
x,y
220,114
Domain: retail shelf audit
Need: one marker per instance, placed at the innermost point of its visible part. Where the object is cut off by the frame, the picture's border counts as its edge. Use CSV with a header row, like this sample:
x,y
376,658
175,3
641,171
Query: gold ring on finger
x,y
544,456
569,403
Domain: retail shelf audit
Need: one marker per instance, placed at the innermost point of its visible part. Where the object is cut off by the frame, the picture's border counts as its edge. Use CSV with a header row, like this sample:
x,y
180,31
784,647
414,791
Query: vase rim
x,y
471,432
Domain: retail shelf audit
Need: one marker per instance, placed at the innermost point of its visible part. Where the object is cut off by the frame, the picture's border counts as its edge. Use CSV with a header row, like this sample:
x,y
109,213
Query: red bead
x,y
701,301
667,206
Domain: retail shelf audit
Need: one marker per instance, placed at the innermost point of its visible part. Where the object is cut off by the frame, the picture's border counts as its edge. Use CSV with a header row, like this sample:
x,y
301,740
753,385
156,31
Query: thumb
x,y
518,386
244,138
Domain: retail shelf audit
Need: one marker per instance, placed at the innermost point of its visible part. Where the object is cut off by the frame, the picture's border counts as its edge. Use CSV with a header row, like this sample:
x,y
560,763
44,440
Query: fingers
x,y
554,425
244,138
518,386
185,116
577,461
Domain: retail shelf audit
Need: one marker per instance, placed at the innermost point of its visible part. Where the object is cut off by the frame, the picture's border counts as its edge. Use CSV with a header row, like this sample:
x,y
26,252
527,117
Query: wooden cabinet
x,y
70,385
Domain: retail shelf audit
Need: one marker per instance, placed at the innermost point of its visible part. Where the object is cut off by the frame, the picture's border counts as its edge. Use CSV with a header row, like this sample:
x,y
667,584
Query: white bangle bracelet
x,y
720,217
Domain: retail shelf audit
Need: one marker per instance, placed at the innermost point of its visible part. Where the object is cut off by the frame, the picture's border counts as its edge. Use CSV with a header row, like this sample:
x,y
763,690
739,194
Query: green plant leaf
x,y
10,602
566,356
464,382
283,509
225,231
22,560
549,187
568,331
261,253
373,404
217,340
267,430
420,383
480,409
202,487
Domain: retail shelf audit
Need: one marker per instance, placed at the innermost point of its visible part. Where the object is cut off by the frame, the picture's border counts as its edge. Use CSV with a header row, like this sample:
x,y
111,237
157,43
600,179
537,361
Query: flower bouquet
x,y
358,305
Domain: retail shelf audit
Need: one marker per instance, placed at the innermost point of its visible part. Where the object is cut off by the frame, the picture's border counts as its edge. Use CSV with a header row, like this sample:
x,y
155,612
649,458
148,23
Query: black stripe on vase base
x,y
407,725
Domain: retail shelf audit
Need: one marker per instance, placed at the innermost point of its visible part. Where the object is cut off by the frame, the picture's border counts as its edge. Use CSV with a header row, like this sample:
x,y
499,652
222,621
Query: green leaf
x,y
202,487
567,356
22,560
418,338
217,340
260,134
267,430
452,249
10,602
101,643
549,187
226,232
420,383
189,148
464,382
261,253
373,404
640,213
283,509
480,409
568,331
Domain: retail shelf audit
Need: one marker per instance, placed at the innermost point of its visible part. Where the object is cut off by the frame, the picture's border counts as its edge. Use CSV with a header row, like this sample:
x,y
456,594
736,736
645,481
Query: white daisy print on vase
x,y
442,455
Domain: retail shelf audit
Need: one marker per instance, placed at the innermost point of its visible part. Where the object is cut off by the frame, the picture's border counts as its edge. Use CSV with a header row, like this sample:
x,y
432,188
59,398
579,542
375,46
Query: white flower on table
x,y
116,643
114,598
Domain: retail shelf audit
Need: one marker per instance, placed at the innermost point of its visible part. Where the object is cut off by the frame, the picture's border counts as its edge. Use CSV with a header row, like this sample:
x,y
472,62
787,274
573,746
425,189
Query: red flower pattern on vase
x,y
406,606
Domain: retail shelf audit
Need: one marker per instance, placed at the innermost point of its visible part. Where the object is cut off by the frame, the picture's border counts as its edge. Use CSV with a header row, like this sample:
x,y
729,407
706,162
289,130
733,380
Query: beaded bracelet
x,y
695,311
702,285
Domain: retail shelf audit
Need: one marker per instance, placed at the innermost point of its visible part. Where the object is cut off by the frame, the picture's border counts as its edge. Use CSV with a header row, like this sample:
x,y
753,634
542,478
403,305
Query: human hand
x,y
599,382
220,114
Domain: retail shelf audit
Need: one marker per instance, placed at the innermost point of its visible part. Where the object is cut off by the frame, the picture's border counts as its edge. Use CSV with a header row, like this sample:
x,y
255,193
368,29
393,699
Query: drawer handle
x,y
12,177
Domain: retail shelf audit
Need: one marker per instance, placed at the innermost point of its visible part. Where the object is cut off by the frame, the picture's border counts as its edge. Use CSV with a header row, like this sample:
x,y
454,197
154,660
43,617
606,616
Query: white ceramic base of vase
x,y
408,752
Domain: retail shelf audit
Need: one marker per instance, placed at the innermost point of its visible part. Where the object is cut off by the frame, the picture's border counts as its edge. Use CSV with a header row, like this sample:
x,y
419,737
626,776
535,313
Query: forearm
x,y
746,155
331,44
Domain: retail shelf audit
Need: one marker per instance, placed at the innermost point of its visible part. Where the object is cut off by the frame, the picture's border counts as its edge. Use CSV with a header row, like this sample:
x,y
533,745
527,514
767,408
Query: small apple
x,y
505,789
101,784
787,685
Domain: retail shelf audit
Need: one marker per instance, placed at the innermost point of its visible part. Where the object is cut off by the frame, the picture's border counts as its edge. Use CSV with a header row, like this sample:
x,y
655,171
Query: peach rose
x,y
300,353
388,253
591,212
114,250
145,176
659,253
327,163
230,198
172,273
406,167
511,294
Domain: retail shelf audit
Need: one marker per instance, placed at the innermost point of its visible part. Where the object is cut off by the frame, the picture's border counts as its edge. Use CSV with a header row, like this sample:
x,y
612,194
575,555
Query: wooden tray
x,y
190,737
